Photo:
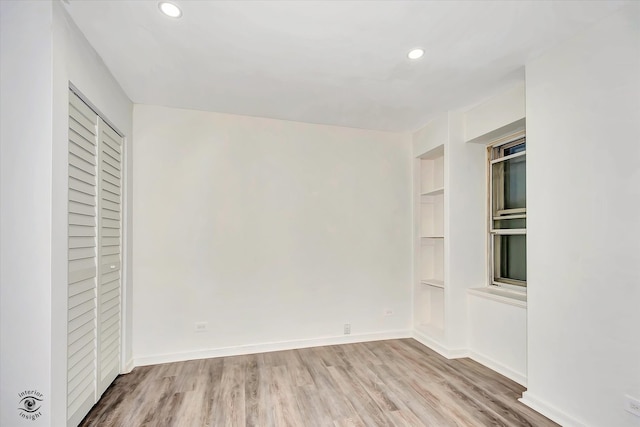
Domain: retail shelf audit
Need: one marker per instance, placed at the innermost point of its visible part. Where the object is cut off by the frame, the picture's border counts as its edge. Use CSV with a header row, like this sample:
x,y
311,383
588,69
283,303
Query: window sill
x,y
505,296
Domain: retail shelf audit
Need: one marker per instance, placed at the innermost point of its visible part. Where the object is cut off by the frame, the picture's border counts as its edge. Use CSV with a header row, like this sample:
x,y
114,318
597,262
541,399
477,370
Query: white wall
x,y
467,228
41,52
432,135
497,331
506,109
276,233
25,206
583,125
76,62
498,336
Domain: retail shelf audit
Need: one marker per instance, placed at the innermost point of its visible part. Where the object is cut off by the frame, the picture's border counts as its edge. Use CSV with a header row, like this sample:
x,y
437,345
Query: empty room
x,y
319,213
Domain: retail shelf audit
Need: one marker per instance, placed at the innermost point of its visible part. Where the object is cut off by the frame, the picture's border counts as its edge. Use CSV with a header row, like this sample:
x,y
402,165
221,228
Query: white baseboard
x,y
518,377
449,353
128,366
549,411
268,347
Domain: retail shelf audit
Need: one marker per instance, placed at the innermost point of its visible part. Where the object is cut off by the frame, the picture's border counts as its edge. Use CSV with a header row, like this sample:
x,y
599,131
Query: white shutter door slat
x,y
110,223
79,163
81,209
80,275
111,241
87,340
110,187
83,373
81,320
80,355
107,204
109,214
107,168
79,219
110,179
82,141
82,147
82,187
81,287
82,253
106,195
80,242
111,277
113,154
80,175
81,301
77,311
81,198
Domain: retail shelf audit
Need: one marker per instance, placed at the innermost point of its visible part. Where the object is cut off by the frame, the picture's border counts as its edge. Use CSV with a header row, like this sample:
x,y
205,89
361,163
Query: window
x,y
508,213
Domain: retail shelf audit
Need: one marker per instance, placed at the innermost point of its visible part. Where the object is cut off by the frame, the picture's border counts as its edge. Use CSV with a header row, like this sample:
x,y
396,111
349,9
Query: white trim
x,y
508,231
268,347
498,367
510,216
549,411
509,157
504,213
505,296
508,139
128,366
89,104
506,133
449,353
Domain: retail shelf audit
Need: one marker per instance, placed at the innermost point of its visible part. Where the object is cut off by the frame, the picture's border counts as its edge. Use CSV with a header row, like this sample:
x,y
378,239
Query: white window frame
x,y
509,284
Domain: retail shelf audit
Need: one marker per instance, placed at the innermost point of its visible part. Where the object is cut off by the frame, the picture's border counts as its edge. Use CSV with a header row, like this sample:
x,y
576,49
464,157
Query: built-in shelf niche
x,y
432,171
432,260
431,287
432,215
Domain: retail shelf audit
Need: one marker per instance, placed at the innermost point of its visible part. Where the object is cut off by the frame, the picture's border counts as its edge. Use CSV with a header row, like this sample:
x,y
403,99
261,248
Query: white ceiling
x,y
331,62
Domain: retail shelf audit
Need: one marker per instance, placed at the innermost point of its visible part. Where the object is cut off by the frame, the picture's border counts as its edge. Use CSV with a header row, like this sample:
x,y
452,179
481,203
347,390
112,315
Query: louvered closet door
x,y
109,277
82,273
94,288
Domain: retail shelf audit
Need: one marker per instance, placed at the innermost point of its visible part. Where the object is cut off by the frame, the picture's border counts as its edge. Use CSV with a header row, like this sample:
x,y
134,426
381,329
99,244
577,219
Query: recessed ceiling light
x,y
170,9
415,53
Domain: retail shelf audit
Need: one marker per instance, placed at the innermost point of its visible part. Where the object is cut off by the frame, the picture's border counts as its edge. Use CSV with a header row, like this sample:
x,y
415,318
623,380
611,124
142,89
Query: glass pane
x,y
509,185
510,224
514,149
510,257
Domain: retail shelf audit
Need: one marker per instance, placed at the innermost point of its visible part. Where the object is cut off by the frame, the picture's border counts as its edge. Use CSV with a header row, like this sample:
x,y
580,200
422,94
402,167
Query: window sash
x,y
509,157
497,277
495,156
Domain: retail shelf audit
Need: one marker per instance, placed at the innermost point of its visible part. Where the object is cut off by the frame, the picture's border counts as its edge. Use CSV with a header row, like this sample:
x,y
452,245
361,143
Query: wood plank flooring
x,y
382,383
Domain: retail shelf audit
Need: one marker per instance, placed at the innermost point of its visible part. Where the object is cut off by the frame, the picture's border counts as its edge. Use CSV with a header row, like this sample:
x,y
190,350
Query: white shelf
x,y
436,283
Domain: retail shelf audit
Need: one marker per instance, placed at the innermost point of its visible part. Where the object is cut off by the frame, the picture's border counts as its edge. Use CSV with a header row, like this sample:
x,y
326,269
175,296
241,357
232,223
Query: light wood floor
x,y
383,383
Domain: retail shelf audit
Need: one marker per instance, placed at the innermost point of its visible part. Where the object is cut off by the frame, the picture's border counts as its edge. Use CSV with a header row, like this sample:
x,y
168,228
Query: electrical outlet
x,y
347,328
201,326
632,405
388,312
